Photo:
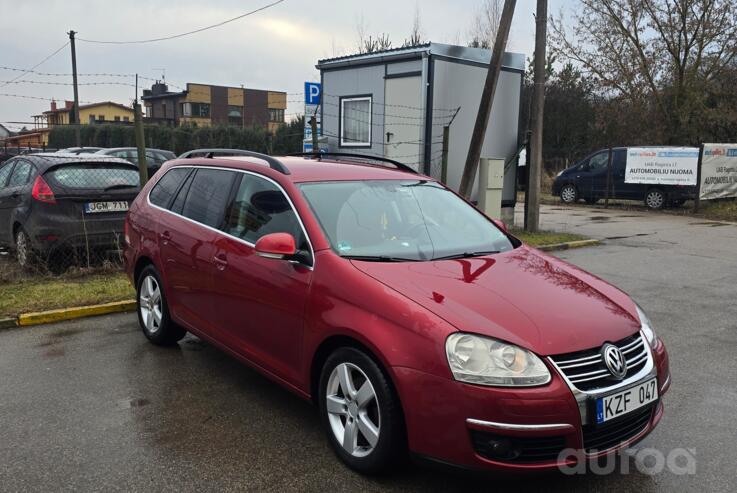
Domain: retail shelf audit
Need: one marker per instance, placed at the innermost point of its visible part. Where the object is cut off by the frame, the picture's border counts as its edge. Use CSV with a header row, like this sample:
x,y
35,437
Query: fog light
x,y
502,448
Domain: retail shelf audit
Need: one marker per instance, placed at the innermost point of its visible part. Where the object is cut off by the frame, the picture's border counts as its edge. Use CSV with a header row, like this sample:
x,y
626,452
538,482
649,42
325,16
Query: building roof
x,y
87,106
515,61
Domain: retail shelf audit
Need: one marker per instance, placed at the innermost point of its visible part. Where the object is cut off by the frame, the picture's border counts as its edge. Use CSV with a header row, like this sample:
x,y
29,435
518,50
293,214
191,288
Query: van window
x,y
162,193
259,208
599,161
619,160
207,196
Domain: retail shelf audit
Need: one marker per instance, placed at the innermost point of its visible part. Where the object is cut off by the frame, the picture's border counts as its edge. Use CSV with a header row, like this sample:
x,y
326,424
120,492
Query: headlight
x,y
485,361
559,173
647,328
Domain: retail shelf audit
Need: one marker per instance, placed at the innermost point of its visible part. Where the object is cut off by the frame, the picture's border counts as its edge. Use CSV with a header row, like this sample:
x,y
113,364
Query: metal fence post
x,y
608,178
697,199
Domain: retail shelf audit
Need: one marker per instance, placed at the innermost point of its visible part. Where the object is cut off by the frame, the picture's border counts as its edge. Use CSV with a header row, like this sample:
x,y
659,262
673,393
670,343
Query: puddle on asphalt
x,y
132,403
708,223
600,218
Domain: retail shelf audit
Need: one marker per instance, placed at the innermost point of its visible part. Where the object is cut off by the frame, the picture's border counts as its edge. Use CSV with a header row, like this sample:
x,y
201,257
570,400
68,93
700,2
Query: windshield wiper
x,y
120,185
379,258
467,255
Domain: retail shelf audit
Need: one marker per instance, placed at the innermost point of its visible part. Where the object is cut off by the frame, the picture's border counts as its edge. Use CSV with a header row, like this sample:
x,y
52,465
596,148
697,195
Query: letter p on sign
x,y
312,92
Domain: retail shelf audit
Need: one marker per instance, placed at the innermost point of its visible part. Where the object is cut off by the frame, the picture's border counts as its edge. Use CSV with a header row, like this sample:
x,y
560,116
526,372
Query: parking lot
x,y
91,405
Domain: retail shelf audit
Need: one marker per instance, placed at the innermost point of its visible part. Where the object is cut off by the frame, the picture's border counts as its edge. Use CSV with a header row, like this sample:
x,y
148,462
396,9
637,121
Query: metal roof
x,y
515,61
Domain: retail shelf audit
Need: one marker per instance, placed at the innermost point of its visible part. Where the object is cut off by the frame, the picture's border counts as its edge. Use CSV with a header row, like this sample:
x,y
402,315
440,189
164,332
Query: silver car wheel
x,y
568,194
353,412
654,199
149,304
21,248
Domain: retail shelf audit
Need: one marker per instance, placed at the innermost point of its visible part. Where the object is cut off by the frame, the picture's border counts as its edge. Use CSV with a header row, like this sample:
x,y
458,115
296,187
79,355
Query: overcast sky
x,y
275,49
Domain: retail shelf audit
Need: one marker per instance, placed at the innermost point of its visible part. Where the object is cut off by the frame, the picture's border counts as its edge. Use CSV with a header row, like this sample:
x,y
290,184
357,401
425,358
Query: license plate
x,y
621,403
114,206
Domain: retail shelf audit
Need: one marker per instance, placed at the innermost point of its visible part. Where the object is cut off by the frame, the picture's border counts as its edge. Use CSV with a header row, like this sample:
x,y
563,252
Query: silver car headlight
x,y
559,173
485,361
647,327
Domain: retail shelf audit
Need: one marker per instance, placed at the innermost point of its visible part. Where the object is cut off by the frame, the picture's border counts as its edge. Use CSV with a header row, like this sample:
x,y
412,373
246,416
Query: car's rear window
x,y
93,175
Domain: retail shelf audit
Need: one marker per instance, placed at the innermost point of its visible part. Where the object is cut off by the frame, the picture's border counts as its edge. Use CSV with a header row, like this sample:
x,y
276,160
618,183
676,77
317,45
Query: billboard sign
x,y
719,171
662,165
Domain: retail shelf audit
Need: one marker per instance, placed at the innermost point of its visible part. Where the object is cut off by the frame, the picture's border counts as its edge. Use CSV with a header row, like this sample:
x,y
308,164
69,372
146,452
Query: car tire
x,y
364,423
153,312
569,194
24,253
655,199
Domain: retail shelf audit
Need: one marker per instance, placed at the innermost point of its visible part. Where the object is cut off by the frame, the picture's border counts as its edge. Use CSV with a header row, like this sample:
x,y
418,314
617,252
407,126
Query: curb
x,y
569,245
36,318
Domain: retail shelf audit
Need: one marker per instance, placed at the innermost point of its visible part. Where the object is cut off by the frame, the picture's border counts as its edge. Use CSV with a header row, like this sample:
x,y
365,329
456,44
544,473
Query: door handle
x,y
165,237
221,261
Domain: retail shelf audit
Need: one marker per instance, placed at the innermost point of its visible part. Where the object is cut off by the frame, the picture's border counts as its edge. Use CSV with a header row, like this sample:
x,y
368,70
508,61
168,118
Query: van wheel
x,y
153,313
360,412
569,194
655,198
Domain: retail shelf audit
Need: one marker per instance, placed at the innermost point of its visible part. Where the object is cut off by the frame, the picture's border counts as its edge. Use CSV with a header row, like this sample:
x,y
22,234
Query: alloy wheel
x,y
353,410
655,199
568,194
21,248
149,304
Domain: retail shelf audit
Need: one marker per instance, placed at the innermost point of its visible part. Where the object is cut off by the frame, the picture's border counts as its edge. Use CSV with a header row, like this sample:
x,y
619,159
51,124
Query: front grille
x,y
587,370
610,434
517,449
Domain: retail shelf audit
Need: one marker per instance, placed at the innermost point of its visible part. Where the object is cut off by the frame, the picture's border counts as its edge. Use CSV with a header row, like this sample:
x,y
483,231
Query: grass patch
x,y
719,210
48,293
546,237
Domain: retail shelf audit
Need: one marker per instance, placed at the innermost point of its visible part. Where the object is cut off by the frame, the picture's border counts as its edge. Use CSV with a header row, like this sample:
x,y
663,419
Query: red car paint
x,y
275,315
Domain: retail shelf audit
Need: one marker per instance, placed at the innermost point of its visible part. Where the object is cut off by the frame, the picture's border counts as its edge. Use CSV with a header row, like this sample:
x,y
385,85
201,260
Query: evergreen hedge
x,y
287,138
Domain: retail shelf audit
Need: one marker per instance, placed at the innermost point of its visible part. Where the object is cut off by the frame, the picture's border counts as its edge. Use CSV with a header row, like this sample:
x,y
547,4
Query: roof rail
x,y
318,155
273,162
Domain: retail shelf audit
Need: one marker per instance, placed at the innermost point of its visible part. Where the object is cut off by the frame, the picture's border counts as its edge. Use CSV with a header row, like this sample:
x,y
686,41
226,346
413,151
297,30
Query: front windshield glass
x,y
393,220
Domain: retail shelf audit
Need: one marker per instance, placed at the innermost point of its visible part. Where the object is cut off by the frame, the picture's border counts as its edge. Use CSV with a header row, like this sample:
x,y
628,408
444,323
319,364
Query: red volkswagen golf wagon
x,y
412,320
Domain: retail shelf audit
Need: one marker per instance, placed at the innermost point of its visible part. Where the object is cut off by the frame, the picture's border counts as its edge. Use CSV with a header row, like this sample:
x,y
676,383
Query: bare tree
x,y
659,54
416,37
369,43
485,25
361,28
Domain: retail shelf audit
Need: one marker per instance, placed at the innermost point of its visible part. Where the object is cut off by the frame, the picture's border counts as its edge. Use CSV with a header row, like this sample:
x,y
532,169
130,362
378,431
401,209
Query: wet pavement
x,y
90,405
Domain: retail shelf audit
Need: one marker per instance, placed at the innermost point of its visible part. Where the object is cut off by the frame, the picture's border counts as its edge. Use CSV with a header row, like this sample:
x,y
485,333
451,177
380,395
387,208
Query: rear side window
x,y
95,176
207,196
162,193
21,174
260,208
4,172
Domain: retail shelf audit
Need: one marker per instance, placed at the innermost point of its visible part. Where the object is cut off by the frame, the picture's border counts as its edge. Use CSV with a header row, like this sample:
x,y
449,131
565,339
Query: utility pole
x,y
487,98
74,115
313,128
140,141
532,211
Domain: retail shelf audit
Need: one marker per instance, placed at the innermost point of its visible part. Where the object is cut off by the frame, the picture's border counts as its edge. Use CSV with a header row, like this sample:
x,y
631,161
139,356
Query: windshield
x,y
393,220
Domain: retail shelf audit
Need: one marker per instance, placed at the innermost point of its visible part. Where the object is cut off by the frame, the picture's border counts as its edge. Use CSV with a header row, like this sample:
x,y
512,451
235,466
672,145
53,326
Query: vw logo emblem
x,y
614,360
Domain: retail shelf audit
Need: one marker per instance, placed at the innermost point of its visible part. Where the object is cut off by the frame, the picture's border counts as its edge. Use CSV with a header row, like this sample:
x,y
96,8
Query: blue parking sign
x,y
312,92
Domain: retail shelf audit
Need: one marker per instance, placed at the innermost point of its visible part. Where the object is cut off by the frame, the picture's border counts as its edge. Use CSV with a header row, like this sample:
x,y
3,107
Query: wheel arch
x,y
141,263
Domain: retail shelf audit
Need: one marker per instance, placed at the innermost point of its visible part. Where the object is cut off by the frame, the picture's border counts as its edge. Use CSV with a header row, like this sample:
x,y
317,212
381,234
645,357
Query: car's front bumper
x,y
456,423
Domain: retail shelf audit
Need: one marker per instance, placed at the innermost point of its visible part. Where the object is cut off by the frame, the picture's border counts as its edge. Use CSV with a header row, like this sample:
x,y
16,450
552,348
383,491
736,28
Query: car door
x,y
598,170
6,233
259,302
186,235
620,189
15,188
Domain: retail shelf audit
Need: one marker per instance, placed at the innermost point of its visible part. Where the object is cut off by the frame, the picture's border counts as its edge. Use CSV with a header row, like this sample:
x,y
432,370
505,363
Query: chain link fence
x,y
66,213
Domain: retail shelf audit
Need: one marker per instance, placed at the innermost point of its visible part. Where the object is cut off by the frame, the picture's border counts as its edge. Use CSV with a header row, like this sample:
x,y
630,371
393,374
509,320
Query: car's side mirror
x,y
500,224
276,245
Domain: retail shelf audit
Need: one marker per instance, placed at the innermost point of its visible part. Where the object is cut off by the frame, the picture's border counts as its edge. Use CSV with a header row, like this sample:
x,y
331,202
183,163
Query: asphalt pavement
x,y
90,405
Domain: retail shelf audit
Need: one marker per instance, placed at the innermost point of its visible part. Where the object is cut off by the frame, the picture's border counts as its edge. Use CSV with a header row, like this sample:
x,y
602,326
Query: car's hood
x,y
522,296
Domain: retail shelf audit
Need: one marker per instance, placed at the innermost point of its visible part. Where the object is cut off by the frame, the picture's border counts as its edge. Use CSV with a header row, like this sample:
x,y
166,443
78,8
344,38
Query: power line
x,y
38,64
174,36
70,83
